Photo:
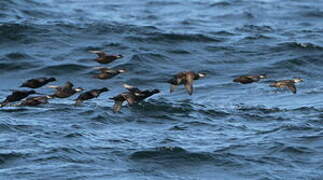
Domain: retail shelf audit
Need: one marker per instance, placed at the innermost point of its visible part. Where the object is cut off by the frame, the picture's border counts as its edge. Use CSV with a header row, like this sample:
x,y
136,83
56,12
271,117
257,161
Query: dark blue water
x,y
224,131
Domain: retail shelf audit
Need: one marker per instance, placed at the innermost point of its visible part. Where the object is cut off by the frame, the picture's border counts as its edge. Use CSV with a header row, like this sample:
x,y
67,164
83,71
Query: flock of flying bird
x,y
133,95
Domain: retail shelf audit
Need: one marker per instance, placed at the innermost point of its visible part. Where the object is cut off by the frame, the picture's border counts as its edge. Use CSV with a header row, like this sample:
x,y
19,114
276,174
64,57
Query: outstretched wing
x,y
130,99
189,83
172,88
117,106
292,87
99,53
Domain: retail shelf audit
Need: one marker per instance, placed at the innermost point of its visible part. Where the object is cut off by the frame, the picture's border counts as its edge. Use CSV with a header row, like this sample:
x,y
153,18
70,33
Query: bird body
x,y
90,95
65,91
16,96
249,79
290,84
35,101
107,73
104,58
38,82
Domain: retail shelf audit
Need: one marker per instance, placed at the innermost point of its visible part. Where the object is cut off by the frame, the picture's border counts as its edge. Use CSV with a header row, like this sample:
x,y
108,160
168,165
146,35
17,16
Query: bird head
x,y
201,74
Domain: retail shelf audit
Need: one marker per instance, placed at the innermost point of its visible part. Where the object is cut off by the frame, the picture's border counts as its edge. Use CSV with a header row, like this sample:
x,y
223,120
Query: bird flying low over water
x,y
185,78
65,91
35,101
37,82
133,96
107,73
139,95
249,78
94,93
290,84
16,96
104,58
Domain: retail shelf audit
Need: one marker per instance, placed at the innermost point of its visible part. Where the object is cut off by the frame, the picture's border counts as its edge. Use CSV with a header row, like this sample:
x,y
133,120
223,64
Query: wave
x,y
173,37
255,28
297,46
304,65
171,154
9,66
62,69
10,156
221,4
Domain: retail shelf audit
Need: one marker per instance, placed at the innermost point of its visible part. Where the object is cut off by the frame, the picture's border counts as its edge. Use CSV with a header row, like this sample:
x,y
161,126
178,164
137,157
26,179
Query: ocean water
x,y
224,131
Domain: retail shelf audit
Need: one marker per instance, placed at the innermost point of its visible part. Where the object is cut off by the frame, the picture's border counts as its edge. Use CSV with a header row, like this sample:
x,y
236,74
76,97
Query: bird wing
x,y
117,106
172,88
189,83
130,99
292,87
99,53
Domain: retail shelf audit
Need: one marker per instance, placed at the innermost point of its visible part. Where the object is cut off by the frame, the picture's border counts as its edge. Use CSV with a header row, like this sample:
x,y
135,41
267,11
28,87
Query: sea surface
x,y
223,131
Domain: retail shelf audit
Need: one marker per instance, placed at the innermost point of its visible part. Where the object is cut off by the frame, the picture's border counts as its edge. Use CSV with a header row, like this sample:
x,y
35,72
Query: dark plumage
x,y
107,73
133,96
65,91
120,98
185,78
290,84
16,96
35,101
38,82
249,79
138,95
104,58
90,95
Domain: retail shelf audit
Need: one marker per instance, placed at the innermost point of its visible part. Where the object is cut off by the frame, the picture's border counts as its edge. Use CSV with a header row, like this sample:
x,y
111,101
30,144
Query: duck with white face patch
x,y
290,84
107,73
35,101
249,78
94,93
37,82
104,58
65,91
185,78
133,96
16,96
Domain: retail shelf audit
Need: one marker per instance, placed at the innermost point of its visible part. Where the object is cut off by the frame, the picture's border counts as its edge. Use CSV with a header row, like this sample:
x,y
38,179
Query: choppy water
x,y
224,131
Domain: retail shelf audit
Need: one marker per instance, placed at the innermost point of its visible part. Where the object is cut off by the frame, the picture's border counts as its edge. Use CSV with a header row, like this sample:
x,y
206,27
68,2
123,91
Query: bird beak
x,y
97,68
127,86
78,89
49,97
51,86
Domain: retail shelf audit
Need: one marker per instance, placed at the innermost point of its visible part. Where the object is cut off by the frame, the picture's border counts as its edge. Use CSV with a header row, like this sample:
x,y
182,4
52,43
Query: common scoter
x,y
35,101
185,78
65,91
290,84
37,82
133,96
249,78
16,96
89,95
107,73
104,58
